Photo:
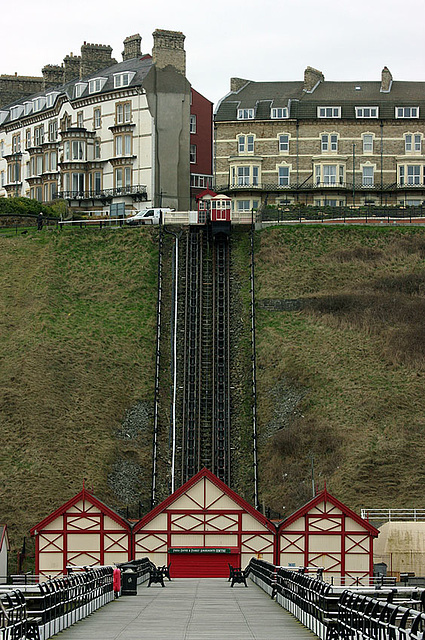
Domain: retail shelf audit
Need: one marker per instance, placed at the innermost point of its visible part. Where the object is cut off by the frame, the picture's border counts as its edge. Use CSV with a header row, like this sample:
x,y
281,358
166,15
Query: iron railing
x,y
314,185
139,191
364,613
394,515
42,610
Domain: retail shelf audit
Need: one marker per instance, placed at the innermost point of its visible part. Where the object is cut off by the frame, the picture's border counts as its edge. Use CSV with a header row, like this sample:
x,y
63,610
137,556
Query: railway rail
x,y
206,361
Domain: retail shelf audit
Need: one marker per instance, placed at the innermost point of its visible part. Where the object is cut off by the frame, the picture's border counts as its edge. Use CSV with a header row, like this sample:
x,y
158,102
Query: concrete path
x,y
191,609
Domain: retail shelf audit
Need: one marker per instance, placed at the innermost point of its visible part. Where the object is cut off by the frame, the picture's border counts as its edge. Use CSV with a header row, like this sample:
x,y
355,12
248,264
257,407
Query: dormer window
x,y
278,113
328,112
16,112
39,103
3,116
96,85
245,114
123,79
407,112
28,107
367,112
51,98
79,89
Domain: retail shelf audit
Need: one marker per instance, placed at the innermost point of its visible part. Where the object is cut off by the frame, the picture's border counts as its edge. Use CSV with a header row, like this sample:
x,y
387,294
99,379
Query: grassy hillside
x,y
77,314
342,377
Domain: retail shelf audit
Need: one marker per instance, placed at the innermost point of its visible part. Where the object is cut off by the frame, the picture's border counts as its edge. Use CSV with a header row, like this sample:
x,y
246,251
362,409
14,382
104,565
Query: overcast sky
x,y
261,40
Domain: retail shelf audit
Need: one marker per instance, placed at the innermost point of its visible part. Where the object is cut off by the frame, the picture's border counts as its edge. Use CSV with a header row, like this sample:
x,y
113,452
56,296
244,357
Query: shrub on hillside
x,y
23,206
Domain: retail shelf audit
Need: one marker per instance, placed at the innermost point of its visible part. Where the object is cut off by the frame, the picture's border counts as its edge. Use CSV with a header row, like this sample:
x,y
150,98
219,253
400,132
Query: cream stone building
x,y
320,143
116,133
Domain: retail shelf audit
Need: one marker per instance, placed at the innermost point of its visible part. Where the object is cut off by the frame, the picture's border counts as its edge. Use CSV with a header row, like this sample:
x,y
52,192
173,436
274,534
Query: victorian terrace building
x,y
119,135
321,143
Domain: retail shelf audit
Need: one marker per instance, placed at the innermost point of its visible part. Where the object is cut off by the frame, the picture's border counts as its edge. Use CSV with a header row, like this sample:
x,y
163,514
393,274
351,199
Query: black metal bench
x,y
156,575
166,571
238,577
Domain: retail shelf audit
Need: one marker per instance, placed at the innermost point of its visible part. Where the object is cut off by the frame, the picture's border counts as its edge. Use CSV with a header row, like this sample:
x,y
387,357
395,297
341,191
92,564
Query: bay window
x,y
329,174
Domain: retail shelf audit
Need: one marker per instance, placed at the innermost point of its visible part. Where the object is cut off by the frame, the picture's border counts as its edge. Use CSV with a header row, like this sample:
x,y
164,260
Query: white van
x,y
147,216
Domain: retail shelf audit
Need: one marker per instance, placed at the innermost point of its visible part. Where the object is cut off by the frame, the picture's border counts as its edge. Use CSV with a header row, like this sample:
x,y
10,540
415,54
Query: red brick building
x,y
201,145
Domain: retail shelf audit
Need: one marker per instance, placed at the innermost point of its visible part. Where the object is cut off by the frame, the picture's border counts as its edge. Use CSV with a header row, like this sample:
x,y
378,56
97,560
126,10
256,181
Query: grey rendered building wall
x,y
168,94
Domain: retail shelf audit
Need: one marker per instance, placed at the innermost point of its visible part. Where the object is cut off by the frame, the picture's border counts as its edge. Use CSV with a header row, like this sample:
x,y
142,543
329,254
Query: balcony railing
x,y
310,185
138,192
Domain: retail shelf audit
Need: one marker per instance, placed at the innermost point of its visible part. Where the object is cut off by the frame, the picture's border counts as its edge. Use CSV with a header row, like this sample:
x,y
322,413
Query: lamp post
x,y
354,174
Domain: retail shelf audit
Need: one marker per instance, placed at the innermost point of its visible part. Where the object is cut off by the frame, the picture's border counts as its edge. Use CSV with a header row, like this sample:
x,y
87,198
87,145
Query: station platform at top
x,y
191,609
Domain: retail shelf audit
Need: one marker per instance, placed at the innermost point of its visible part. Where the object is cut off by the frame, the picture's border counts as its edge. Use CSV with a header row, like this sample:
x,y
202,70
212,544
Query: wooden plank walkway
x,y
191,609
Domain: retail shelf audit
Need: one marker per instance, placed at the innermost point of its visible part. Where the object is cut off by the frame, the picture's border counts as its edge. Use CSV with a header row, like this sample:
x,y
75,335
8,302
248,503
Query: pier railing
x,y
331,612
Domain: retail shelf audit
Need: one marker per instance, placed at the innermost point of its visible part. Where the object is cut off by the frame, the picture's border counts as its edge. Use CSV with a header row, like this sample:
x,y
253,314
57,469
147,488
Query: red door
x,y
202,565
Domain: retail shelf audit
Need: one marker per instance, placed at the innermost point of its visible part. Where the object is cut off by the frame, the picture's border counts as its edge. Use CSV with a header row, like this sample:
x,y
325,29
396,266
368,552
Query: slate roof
x,y
262,96
140,66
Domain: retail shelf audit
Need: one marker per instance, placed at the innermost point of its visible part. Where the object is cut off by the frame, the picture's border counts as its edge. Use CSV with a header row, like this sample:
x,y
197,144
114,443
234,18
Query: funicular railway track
x,y
206,395
221,361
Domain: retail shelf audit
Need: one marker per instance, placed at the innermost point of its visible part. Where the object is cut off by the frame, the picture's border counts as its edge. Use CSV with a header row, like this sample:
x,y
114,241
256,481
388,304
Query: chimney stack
x,y
168,50
237,83
53,75
386,80
312,77
132,47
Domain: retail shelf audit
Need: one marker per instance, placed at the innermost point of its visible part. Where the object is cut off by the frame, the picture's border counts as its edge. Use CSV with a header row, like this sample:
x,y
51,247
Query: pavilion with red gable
x,y
202,528
82,532
325,533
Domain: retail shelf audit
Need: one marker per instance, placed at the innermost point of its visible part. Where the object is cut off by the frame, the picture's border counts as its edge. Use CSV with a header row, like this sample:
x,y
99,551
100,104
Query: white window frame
x,y
193,153
329,142
78,150
368,143
243,176
96,84
38,103
283,176
51,98
97,117
118,146
242,206
53,130
123,79
368,175
96,148
79,89
410,175
406,112
284,143
413,142
329,175
53,161
16,111
328,112
192,123
279,113
246,114
367,112
127,144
